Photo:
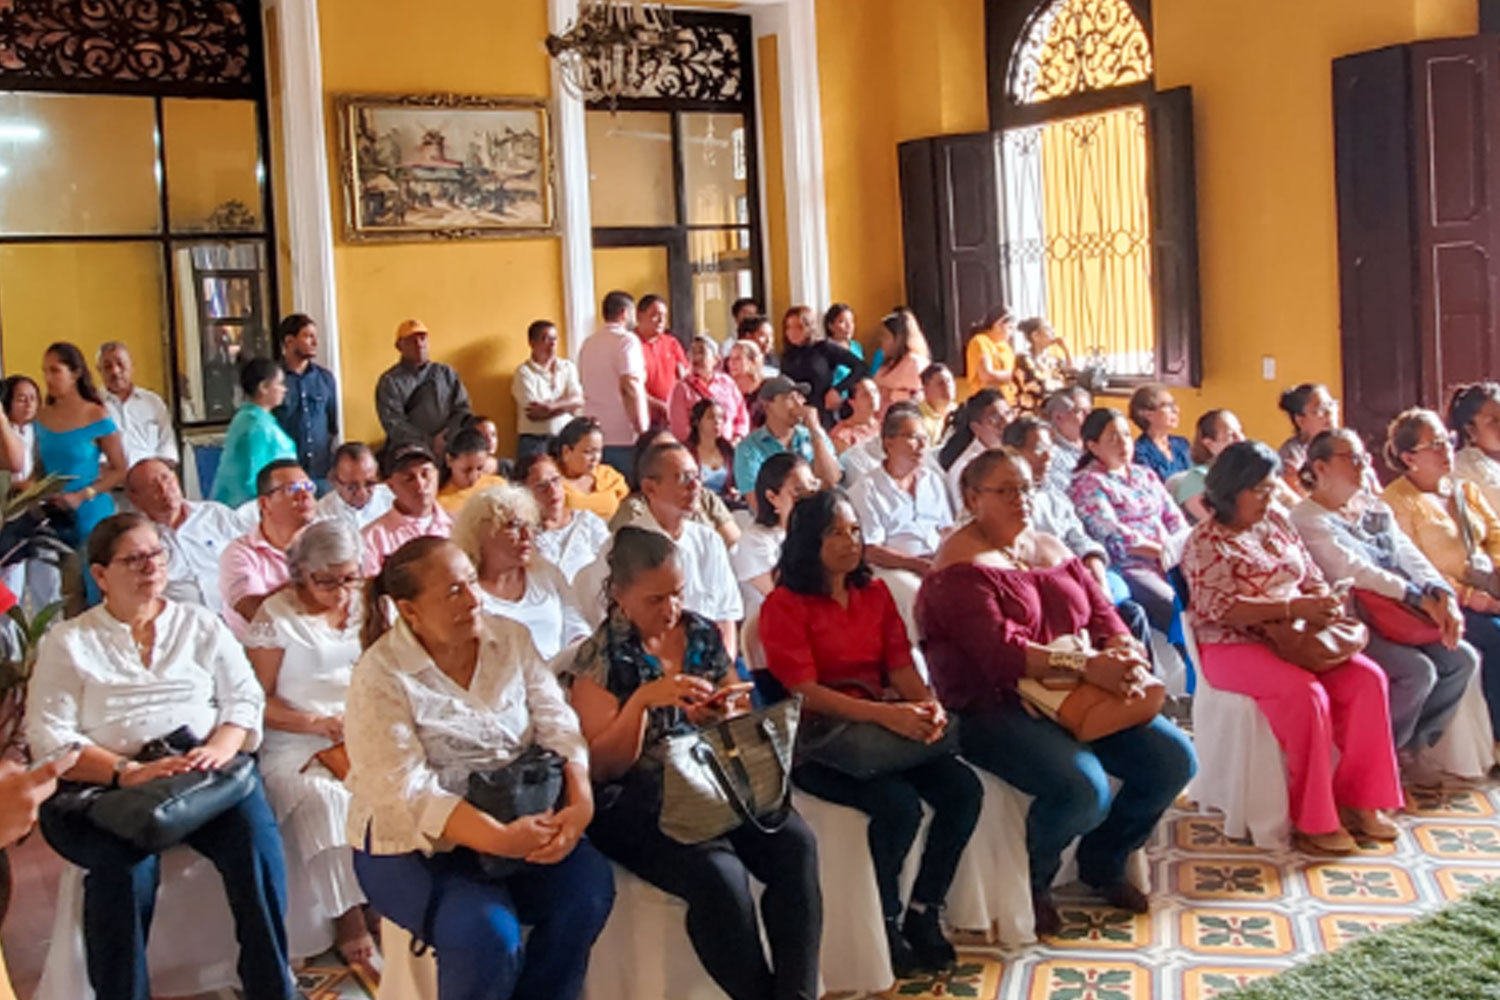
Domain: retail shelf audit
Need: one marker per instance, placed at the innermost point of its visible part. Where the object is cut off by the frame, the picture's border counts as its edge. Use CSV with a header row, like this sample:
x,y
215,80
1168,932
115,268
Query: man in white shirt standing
x,y
194,533
357,494
670,484
612,368
548,393
145,425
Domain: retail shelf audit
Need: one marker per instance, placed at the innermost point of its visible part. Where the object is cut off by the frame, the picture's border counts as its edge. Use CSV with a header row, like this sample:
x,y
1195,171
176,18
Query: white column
x,y
304,206
574,220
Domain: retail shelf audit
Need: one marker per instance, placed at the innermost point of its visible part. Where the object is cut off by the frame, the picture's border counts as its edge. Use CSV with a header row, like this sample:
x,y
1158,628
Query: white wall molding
x,y
574,219
304,204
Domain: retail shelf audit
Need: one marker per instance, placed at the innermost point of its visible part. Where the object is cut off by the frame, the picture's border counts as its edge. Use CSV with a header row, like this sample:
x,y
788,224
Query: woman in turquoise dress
x,y
254,438
76,438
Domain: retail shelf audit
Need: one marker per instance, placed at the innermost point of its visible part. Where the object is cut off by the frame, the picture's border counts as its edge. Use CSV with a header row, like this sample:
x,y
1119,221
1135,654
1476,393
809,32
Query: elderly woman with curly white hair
x,y
497,529
303,643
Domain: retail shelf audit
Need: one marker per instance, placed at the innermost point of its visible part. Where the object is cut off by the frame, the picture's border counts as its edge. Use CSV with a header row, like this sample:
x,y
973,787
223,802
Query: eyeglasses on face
x,y
681,479
1442,442
326,581
292,489
138,562
1356,458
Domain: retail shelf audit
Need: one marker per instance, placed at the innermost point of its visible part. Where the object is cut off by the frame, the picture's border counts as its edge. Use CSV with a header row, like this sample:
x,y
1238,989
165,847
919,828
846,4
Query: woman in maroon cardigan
x,y
1000,594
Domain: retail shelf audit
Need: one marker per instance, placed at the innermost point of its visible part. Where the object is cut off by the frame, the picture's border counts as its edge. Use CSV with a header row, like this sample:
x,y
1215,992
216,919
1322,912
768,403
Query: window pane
x,y
222,317
630,169
87,293
82,165
212,153
722,272
714,169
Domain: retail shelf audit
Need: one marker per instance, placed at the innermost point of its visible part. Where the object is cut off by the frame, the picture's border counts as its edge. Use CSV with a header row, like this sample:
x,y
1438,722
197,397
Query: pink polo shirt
x,y
249,567
604,358
393,529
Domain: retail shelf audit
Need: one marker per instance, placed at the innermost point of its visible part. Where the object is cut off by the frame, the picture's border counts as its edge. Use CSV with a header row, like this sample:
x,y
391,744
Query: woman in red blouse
x,y
1246,566
832,634
1000,594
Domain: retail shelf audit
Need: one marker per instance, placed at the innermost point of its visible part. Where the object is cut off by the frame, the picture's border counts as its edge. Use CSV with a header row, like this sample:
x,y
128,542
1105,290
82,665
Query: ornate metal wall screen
x,y
1072,46
706,65
204,45
1077,243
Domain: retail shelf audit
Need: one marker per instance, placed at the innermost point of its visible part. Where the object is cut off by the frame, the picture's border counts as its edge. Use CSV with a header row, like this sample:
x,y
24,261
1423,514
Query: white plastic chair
x,y
192,947
1241,769
1467,747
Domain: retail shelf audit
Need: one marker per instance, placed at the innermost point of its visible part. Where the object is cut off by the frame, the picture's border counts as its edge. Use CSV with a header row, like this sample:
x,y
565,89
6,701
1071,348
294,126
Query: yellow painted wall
x,y
888,71
1267,216
641,271
778,275
476,296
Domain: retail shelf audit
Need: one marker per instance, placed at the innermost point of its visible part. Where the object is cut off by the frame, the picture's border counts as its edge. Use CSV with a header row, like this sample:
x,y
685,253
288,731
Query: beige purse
x,y
1087,710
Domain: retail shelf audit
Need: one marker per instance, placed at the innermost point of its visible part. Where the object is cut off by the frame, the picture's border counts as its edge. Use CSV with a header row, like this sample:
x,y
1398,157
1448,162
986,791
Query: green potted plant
x,y
25,533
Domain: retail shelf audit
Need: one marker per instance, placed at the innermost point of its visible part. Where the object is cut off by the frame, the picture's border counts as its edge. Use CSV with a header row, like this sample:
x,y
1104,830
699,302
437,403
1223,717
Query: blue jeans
x,y
1483,633
476,926
119,897
1069,785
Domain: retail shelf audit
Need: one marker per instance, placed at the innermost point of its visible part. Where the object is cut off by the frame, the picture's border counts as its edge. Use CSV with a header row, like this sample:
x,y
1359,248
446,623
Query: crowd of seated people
x,y
913,559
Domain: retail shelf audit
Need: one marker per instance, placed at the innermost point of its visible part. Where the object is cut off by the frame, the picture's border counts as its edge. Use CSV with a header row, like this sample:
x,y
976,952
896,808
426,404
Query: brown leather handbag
x,y
335,758
1313,648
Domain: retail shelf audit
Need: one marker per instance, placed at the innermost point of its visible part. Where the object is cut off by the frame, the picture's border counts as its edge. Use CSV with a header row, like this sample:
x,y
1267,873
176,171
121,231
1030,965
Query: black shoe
x,y
924,930
1124,896
1047,920
904,960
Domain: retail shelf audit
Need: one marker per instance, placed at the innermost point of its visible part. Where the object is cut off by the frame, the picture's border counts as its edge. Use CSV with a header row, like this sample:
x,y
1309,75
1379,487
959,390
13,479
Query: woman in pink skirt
x,y
1246,566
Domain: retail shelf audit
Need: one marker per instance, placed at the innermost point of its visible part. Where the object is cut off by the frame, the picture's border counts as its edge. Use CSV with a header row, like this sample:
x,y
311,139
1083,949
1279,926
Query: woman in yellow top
x,y
588,483
469,454
1425,500
990,359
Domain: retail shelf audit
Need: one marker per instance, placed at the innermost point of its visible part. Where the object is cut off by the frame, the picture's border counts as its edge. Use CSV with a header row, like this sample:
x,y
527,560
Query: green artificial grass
x,y
1453,954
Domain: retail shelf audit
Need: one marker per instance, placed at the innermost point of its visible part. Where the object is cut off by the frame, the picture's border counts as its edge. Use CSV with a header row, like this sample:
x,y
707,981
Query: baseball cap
x,y
780,385
410,327
410,454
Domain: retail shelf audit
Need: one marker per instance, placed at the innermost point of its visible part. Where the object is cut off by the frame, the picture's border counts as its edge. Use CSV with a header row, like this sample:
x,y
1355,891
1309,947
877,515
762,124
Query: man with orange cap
x,y
419,401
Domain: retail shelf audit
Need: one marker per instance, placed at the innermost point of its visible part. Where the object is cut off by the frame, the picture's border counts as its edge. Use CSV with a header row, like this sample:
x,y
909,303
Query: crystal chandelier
x,y
602,53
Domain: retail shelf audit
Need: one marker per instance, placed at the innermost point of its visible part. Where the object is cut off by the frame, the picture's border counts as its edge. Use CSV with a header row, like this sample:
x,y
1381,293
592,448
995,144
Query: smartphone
x,y
1341,588
723,694
57,754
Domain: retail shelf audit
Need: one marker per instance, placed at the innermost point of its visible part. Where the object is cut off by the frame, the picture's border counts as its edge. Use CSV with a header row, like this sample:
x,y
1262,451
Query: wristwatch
x,y
121,766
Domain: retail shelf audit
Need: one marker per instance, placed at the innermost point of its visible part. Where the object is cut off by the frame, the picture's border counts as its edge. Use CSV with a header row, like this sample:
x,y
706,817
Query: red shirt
x,y
809,637
665,361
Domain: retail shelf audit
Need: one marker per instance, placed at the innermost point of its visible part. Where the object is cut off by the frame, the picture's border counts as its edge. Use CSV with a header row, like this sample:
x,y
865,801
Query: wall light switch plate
x,y
1268,368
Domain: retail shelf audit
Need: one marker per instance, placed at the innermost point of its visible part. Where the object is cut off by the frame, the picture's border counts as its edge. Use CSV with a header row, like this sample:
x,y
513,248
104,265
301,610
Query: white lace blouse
x,y
414,736
91,685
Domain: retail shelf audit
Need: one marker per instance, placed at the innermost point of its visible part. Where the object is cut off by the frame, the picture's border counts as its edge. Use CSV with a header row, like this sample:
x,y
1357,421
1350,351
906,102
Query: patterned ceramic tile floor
x,y
1227,912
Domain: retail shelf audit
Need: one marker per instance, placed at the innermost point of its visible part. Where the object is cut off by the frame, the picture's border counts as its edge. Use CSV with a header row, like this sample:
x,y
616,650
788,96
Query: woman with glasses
x,y
1312,410
1428,503
1353,536
1003,594
1155,412
1474,415
497,529
303,643
127,672
254,437
569,539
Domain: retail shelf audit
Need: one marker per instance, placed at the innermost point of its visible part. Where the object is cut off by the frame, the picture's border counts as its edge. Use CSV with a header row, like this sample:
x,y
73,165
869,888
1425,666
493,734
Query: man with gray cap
x,y
791,425
419,401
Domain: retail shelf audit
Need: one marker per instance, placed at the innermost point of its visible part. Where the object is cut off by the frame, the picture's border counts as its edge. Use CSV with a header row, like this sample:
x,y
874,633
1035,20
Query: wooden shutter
x,y
1455,124
1174,238
919,232
1377,293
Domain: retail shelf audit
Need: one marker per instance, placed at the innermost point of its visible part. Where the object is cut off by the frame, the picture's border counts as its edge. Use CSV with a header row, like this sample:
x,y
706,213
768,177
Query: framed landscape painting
x,y
445,166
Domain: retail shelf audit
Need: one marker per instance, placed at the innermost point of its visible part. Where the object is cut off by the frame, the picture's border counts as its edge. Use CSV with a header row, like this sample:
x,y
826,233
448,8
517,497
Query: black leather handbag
x,y
163,812
530,784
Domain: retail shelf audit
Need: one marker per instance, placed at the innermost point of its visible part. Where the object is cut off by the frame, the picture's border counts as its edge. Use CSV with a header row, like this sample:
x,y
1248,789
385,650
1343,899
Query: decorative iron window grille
x,y
707,66
1073,46
162,44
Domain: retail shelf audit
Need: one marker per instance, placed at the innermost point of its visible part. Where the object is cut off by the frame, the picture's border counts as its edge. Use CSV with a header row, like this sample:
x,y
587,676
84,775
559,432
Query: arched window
x,y
1099,226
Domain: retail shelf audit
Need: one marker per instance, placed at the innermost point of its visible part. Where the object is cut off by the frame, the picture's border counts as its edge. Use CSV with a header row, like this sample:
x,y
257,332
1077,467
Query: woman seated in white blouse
x,y
783,479
568,538
303,643
443,691
495,529
128,671
1474,415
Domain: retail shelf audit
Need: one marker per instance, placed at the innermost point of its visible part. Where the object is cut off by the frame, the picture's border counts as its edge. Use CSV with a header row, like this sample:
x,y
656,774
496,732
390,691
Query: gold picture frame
x,y
446,167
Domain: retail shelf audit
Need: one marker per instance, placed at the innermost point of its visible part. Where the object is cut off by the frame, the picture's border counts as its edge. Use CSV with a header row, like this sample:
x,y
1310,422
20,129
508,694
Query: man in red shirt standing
x,y
665,361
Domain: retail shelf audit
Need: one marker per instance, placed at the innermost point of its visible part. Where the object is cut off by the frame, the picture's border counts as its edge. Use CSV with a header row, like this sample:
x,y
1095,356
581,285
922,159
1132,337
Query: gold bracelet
x,y
89,493
1060,659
